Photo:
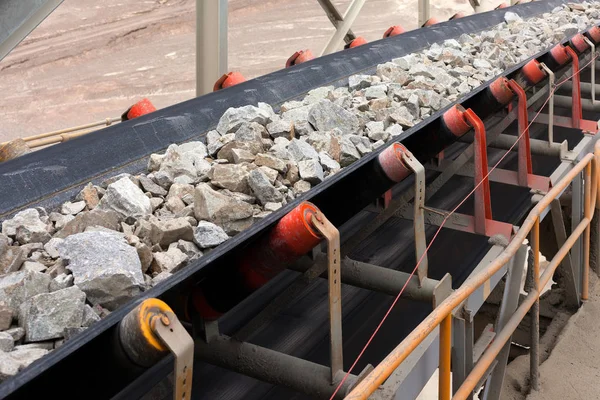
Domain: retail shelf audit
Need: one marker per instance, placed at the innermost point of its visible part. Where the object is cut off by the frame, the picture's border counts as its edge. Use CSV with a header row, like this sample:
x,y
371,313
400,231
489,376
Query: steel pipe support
x,y
538,147
567,102
385,280
272,366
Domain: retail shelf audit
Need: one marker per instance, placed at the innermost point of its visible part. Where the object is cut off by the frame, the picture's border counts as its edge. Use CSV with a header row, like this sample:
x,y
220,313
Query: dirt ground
x,y
87,61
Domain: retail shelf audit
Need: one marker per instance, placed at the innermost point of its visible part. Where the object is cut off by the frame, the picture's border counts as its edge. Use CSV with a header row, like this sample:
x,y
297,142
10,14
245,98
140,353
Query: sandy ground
x,y
87,62
572,372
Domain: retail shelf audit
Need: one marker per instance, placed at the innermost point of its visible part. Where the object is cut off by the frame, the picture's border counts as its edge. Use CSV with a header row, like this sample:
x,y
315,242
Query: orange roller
x,y
291,238
299,57
431,21
594,34
578,41
394,31
359,41
532,71
501,90
455,121
502,5
391,162
559,54
229,79
140,108
458,15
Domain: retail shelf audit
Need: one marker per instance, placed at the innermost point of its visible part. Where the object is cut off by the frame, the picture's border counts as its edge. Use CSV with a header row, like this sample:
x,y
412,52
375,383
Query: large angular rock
x,y
105,218
6,342
171,261
104,266
11,257
25,355
46,316
231,214
6,316
207,235
301,150
311,171
149,186
348,152
325,116
281,128
8,366
126,198
27,227
89,194
262,188
177,166
172,230
230,176
233,118
17,287
270,161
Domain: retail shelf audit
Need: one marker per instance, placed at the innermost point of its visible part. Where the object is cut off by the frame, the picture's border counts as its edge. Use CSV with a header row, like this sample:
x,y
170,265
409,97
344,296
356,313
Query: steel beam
x,y
336,18
272,366
343,28
19,17
566,266
510,301
424,11
211,43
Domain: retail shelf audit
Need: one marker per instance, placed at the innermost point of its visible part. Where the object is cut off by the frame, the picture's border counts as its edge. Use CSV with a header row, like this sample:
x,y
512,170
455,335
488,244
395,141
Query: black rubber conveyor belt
x,y
52,175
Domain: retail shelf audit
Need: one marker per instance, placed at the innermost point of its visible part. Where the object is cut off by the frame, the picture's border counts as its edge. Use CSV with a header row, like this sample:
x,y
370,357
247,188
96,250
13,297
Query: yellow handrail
x,y
371,382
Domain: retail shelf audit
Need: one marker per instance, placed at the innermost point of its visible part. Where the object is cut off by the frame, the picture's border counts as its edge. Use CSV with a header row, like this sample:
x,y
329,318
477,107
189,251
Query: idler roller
x,y
299,57
359,41
556,57
228,80
140,108
593,34
394,31
579,44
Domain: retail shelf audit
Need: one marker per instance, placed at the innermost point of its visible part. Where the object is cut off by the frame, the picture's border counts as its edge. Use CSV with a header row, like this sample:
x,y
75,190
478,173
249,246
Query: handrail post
x,y
534,356
444,389
587,213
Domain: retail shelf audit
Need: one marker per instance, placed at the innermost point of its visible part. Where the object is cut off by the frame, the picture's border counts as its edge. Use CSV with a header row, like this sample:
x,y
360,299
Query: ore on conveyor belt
x,y
67,266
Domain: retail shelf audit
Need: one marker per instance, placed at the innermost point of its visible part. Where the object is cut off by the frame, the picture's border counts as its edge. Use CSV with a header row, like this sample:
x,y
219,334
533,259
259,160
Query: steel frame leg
x,y
510,301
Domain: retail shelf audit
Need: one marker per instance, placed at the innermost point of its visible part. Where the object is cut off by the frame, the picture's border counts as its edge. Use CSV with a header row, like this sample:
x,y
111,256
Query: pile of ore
x,y
63,270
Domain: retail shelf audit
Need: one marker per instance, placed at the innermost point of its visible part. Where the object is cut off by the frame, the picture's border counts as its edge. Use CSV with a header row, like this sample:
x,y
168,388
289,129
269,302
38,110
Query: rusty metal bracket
x,y
419,214
170,331
332,235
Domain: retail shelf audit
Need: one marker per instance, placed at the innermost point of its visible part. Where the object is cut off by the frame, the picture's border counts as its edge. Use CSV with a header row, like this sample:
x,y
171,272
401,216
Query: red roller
x,y
140,108
455,121
391,162
502,5
394,31
291,238
501,90
559,54
594,34
431,21
359,41
228,80
532,71
299,57
578,41
458,15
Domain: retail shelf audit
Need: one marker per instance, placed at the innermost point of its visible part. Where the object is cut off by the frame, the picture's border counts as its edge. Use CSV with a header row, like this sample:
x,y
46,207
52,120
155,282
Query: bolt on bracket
x,y
174,336
332,235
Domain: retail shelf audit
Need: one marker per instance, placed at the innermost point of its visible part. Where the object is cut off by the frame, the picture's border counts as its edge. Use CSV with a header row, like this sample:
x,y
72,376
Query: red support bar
x,y
483,202
525,167
577,114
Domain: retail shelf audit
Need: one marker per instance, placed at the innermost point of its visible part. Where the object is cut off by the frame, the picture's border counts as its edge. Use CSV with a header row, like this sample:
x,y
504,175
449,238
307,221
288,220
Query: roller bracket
x,y
174,336
332,235
419,218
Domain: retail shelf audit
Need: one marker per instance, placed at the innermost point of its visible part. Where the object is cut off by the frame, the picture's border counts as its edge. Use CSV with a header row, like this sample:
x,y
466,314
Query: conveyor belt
x,y
52,175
